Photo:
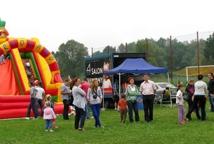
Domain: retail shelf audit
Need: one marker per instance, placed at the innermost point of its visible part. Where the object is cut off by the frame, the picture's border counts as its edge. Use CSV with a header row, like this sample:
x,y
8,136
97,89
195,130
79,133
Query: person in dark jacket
x,y
211,91
190,92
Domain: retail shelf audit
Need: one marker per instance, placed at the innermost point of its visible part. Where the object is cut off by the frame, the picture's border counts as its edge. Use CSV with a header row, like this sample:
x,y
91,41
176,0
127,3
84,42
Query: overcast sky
x,y
97,23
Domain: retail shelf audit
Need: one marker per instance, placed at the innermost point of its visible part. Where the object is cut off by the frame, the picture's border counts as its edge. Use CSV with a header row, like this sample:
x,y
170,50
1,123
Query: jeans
x,y
34,106
211,98
48,124
79,118
180,113
148,101
87,110
96,113
200,102
66,109
132,106
190,108
40,105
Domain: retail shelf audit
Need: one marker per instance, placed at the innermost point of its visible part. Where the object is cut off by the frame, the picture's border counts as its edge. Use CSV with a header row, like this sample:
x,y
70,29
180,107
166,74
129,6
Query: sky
x,y
98,23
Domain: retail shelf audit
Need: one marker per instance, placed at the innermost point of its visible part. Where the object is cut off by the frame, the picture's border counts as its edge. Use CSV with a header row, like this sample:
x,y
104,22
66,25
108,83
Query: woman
x,y
200,98
190,92
131,94
79,103
95,98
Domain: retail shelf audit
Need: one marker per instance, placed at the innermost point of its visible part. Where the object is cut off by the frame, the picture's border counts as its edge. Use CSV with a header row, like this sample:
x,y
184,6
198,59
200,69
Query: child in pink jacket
x,y
48,116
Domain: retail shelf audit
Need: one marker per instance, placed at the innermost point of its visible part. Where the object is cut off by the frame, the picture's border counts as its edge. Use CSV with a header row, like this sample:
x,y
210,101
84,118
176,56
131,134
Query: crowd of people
x,y
197,95
84,97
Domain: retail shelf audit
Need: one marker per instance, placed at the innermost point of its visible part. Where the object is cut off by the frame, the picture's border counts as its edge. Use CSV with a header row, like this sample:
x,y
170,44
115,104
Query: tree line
x,y
70,55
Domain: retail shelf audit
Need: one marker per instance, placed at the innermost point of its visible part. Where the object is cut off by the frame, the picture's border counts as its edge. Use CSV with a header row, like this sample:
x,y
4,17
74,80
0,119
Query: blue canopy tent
x,y
135,66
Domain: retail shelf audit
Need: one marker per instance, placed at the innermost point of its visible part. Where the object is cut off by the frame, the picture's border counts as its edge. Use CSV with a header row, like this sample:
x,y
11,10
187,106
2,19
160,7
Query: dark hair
x,y
85,79
180,86
73,82
123,96
130,78
66,80
200,77
212,75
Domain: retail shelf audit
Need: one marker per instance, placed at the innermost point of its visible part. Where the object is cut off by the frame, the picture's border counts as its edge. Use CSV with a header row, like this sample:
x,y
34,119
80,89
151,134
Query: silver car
x,y
161,90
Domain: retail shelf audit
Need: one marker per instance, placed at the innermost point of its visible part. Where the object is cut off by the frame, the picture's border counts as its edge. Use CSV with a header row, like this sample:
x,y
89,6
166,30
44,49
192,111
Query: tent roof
x,y
137,66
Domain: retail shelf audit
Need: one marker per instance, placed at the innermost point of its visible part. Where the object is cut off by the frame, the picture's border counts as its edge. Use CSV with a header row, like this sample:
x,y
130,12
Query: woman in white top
x,y
95,98
180,104
200,98
79,103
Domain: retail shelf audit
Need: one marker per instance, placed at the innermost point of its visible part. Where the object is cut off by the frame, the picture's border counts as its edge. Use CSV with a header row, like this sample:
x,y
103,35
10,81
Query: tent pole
x,y
168,77
119,84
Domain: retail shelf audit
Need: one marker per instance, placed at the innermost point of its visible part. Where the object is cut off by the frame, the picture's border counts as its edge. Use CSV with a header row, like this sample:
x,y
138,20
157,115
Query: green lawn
x,y
163,130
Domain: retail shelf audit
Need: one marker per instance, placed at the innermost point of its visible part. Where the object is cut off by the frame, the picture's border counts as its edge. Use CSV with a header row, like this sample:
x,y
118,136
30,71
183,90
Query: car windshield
x,y
164,85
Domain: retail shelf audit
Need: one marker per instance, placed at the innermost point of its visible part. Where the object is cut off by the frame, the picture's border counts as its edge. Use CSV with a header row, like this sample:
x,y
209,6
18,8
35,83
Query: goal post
x,y
193,70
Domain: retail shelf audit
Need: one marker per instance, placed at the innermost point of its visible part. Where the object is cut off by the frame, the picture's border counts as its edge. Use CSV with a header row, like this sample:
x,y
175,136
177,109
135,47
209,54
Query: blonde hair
x,y
48,97
47,104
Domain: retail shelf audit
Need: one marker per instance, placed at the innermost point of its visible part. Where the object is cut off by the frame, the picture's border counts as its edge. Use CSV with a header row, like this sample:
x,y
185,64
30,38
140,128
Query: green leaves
x,y
70,57
2,23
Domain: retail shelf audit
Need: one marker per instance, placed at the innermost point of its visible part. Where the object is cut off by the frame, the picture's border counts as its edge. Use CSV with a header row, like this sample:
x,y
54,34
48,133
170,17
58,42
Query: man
x,y
211,91
148,89
65,91
200,98
40,96
35,93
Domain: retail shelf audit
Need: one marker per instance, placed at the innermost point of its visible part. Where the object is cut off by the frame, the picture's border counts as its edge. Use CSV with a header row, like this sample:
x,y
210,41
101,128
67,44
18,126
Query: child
x,y
2,59
48,116
48,99
180,104
122,107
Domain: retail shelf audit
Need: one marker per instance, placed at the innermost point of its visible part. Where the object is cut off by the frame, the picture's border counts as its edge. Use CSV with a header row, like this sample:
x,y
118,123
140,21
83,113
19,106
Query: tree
x,y
109,49
70,57
122,48
209,49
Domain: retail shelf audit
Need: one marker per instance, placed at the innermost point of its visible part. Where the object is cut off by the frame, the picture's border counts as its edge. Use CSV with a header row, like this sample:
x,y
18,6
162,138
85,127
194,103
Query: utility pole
x,y
126,46
92,52
198,53
147,48
171,58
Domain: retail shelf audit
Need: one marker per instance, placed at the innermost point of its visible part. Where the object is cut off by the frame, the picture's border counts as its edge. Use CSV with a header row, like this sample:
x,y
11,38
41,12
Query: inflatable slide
x,y
25,60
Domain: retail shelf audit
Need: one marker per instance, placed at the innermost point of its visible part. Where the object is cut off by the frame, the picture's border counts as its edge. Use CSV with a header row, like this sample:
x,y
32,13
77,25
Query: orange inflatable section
x,y
7,79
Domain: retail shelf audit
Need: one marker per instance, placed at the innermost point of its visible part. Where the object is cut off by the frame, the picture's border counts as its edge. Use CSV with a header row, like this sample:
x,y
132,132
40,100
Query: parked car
x,y
165,91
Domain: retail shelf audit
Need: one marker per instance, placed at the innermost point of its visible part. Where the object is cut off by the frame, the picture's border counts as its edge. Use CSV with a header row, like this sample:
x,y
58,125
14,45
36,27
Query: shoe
x,y
46,130
27,118
81,129
51,130
56,127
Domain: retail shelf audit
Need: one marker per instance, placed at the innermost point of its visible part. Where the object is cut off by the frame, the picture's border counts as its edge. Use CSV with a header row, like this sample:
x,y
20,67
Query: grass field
x,y
163,130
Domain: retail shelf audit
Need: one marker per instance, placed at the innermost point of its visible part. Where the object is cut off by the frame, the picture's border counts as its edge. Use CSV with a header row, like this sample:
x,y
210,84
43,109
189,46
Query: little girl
x,y
48,116
122,106
48,99
180,104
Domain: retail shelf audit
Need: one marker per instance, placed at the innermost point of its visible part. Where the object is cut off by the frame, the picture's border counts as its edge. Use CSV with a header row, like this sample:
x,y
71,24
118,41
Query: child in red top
x,y
122,106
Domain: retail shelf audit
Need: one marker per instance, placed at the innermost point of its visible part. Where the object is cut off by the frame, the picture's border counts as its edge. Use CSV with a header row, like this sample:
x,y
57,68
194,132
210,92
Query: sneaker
x,y
27,118
81,129
46,130
51,130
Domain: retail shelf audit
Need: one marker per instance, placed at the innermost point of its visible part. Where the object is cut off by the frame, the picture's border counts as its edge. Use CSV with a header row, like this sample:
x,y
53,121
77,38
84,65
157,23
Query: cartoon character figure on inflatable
x,y
26,59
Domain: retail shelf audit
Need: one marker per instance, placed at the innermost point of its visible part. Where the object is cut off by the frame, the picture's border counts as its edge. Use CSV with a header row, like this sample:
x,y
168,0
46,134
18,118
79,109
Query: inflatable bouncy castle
x,y
24,61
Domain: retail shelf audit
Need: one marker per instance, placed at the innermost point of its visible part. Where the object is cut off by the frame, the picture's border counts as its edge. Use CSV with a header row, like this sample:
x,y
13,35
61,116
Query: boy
x,y
122,106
